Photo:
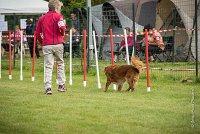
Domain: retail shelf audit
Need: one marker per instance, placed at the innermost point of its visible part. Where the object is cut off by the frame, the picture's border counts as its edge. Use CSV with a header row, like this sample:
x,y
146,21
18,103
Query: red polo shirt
x,y
130,41
50,28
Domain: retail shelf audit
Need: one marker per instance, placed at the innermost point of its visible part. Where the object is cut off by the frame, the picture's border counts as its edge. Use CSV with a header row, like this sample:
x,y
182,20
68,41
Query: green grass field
x,y
25,109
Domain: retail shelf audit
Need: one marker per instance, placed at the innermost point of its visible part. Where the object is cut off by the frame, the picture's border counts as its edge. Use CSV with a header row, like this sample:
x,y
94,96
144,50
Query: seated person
x,y
75,43
130,42
17,38
155,42
139,42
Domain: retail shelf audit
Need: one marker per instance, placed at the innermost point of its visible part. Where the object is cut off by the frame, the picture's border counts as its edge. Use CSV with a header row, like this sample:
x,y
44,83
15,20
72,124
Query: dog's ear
x,y
137,63
135,58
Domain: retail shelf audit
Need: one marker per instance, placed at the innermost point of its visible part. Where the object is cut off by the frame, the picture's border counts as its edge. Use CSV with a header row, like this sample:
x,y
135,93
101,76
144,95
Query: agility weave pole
x,y
147,61
21,55
33,59
70,58
84,57
96,59
112,54
126,43
10,56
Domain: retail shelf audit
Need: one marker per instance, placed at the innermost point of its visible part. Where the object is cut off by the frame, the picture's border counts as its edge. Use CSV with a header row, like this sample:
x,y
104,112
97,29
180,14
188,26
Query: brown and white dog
x,y
118,74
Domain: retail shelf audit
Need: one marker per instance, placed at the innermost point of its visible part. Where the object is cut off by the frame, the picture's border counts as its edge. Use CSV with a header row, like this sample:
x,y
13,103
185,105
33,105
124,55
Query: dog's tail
x,y
137,63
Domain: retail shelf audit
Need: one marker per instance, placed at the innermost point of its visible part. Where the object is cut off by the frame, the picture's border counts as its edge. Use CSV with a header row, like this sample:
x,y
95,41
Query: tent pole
x,y
90,41
196,38
174,25
134,32
88,45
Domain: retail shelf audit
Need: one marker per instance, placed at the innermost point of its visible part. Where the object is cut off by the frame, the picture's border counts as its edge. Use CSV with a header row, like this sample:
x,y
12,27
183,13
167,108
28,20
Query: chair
x,y
158,54
120,55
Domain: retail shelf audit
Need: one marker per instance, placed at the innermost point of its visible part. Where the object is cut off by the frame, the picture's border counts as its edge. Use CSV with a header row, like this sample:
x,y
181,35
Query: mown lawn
x,y
25,109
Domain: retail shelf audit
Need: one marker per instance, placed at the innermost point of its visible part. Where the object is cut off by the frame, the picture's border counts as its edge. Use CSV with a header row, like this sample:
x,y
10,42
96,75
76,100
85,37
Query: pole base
x,y
115,87
70,82
99,85
148,89
57,81
33,78
10,77
21,78
84,83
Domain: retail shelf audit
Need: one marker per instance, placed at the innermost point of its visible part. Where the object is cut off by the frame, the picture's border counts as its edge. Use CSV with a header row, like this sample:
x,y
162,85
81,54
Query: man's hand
x,y
77,40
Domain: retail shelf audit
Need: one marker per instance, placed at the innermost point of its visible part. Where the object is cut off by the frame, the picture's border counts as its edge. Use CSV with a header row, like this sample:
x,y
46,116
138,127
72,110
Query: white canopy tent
x,y
23,7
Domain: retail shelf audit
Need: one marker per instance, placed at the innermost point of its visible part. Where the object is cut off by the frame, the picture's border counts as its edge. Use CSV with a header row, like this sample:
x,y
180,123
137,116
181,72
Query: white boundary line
x,y
193,109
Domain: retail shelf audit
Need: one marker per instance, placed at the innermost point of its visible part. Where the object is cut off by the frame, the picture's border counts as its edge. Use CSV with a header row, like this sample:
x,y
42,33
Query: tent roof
x,y
143,8
23,7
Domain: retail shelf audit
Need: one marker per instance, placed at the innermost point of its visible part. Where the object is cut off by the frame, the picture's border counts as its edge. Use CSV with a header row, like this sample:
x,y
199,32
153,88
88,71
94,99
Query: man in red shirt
x,y
50,31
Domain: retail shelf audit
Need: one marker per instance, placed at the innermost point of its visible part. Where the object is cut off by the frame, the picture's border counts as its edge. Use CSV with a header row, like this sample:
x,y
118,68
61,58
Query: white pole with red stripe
x,y
70,58
96,58
127,53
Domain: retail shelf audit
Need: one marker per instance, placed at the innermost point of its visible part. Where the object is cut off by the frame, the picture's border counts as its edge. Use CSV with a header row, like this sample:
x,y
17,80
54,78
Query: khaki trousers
x,y
50,52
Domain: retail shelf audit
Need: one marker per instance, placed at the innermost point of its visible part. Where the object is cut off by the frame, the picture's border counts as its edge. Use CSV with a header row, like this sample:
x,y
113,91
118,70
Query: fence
x,y
176,20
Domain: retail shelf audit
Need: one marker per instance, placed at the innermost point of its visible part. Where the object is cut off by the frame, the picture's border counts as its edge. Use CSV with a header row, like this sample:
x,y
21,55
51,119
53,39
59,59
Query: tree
x,y
69,5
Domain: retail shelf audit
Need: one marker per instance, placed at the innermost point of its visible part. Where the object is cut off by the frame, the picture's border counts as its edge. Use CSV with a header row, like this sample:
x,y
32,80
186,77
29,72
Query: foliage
x,y
69,5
